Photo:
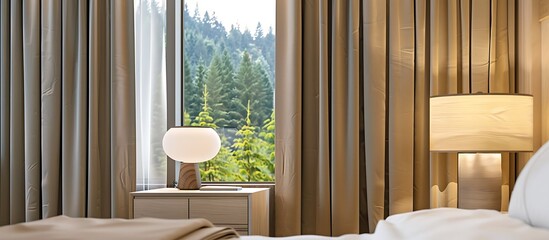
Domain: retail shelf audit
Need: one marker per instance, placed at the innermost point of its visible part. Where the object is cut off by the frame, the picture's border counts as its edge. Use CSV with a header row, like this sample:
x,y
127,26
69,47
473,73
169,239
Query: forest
x,y
229,86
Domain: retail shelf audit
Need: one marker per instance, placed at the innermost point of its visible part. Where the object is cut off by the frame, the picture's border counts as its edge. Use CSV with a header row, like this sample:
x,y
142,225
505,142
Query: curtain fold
x,y
50,79
16,127
123,106
75,97
67,124
31,49
354,80
529,68
4,113
400,125
375,95
342,113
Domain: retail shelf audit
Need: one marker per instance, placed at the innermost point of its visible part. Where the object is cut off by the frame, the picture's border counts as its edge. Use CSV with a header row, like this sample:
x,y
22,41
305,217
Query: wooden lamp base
x,y
189,177
479,181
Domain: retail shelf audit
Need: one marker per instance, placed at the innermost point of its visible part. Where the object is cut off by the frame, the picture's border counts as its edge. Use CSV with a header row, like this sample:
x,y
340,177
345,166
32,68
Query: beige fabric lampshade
x,y
481,123
191,144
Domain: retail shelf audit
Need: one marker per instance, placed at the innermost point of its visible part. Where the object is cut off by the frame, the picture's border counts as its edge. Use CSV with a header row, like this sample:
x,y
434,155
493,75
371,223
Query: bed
x,y
528,216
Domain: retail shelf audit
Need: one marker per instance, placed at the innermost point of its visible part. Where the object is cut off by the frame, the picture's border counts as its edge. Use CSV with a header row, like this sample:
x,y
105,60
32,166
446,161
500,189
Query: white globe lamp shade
x,y
191,144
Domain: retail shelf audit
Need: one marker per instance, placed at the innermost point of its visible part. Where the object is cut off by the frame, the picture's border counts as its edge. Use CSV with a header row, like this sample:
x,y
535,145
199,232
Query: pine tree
x,y
264,93
193,106
267,134
187,18
198,47
187,121
258,32
218,93
247,38
247,155
268,52
217,168
231,101
204,119
234,40
253,85
221,167
191,93
245,84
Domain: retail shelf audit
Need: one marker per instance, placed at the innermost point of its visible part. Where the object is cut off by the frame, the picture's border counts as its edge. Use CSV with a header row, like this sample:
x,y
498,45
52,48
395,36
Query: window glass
x,y
228,84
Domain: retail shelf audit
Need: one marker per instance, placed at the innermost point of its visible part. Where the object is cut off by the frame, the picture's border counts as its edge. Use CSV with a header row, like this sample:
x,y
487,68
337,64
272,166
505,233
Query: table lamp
x,y
479,127
190,145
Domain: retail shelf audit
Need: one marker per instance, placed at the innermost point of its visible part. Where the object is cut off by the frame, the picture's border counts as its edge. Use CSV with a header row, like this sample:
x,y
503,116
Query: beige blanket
x,y
63,227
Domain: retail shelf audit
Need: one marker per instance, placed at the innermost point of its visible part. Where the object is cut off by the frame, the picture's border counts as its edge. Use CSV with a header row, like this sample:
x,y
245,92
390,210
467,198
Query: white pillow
x,y
530,198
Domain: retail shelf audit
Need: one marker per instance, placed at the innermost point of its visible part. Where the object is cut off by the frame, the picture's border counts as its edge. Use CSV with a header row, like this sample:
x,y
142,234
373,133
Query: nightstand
x,y
246,210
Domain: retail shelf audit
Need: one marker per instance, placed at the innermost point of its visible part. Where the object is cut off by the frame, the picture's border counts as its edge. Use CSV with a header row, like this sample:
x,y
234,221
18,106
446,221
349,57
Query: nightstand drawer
x,y
170,208
222,210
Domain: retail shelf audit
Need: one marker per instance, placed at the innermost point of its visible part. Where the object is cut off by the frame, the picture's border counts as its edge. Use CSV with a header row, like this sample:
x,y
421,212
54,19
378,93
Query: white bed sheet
x,y
442,223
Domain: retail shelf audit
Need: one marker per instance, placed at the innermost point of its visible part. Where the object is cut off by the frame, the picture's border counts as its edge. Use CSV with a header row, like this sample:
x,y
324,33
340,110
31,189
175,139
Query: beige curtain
x,y
542,85
532,65
354,79
67,118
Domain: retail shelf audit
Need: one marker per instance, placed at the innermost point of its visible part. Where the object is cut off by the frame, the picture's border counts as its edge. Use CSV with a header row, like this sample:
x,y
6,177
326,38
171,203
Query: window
x,y
226,81
228,84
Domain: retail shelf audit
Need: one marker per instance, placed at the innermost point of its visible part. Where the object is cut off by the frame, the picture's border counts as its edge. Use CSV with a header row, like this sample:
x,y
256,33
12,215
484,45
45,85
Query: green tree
x,y
234,38
231,101
267,134
246,153
187,119
191,95
195,101
258,31
253,85
218,93
204,119
267,45
247,38
245,84
217,168
264,92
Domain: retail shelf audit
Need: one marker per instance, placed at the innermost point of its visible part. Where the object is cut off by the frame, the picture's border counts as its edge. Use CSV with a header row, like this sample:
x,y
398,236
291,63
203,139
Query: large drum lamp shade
x,y
481,123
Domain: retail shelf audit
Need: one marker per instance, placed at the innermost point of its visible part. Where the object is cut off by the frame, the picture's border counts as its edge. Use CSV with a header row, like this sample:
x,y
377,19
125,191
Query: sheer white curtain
x,y
150,69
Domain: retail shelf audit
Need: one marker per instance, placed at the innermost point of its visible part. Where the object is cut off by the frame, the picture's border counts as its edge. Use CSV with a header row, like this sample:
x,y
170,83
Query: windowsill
x,y
247,184
244,184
